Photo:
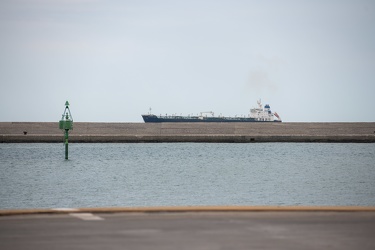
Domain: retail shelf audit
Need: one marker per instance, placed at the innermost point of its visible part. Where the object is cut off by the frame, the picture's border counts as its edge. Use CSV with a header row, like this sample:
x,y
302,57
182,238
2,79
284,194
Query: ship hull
x,y
158,119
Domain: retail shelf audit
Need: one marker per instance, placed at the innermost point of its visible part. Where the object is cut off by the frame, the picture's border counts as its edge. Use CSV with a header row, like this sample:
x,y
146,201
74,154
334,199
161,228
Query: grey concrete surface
x,y
208,230
190,132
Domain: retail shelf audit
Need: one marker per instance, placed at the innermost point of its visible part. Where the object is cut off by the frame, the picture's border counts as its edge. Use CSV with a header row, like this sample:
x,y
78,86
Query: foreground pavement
x,y
190,230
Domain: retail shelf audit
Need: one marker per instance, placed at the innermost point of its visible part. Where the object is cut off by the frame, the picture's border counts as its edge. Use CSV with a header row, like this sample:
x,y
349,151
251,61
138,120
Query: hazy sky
x,y
113,60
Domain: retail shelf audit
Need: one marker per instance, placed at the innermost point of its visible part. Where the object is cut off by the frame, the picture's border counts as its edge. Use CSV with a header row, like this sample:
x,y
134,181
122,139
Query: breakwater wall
x,y
12,132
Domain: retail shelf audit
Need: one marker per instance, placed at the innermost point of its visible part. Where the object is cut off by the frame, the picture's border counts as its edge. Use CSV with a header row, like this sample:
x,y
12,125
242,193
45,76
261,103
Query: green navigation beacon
x,y
66,124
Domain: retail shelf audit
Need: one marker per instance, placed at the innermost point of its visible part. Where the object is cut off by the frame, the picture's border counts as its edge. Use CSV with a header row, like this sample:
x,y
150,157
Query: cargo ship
x,y
259,114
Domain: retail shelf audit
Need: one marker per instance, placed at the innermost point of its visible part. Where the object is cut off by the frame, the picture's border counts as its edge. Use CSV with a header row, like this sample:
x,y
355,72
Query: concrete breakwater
x,y
12,132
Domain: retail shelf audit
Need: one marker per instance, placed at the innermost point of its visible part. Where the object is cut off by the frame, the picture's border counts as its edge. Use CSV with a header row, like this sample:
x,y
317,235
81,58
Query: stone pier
x,y
11,132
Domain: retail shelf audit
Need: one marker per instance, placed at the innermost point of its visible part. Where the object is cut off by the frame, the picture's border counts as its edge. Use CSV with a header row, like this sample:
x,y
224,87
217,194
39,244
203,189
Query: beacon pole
x,y
66,124
66,143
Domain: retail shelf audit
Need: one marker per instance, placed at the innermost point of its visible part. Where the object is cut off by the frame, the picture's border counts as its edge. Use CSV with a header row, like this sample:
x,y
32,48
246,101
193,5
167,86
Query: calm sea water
x,y
169,174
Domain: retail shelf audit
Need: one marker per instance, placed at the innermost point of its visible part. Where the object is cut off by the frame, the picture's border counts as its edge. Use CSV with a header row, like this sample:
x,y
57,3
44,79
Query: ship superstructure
x,y
259,114
263,114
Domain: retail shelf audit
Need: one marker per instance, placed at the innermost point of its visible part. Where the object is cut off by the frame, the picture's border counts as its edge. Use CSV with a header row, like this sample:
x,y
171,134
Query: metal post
x,y
66,143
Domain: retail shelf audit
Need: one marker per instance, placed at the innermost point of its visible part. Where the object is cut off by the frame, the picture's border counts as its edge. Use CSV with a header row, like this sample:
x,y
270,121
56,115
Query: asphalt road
x,y
190,230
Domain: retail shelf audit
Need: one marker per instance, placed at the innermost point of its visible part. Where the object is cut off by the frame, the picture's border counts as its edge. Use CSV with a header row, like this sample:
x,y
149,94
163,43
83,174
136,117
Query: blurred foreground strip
x,y
86,216
190,209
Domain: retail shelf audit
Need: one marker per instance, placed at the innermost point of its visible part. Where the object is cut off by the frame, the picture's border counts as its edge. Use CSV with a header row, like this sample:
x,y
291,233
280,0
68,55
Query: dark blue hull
x,y
158,119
